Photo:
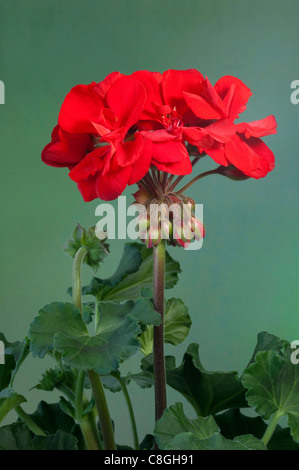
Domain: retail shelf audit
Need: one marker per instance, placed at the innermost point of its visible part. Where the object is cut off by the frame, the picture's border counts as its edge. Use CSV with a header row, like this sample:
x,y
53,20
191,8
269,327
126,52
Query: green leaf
x,y
9,400
18,437
282,440
188,441
59,441
233,423
57,316
177,323
60,326
15,436
133,276
273,386
266,342
208,392
15,354
51,378
175,422
51,418
97,249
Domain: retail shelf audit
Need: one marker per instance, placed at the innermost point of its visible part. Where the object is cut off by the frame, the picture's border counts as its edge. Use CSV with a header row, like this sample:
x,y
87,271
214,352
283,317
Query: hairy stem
x,y
95,382
198,177
102,409
271,427
131,412
159,361
29,421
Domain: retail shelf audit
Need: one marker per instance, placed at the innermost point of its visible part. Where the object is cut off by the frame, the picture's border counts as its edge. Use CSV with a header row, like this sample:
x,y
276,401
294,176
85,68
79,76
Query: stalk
x,y
271,427
159,361
94,379
29,421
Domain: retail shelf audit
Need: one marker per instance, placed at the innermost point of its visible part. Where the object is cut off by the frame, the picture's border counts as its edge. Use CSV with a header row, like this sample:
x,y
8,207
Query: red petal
x,y
175,82
241,154
183,167
88,188
141,167
111,185
160,135
127,153
90,165
102,87
171,151
150,81
266,158
126,98
234,94
217,153
221,130
66,149
201,107
259,128
81,106
197,136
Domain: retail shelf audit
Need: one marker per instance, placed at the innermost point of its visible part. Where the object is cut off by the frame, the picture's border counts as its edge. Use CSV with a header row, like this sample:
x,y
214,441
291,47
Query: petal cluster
x,y
110,133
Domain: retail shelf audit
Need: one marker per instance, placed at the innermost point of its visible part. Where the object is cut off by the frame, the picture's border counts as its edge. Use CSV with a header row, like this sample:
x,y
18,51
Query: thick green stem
x,y
271,427
79,394
94,379
90,432
159,361
29,421
131,412
102,409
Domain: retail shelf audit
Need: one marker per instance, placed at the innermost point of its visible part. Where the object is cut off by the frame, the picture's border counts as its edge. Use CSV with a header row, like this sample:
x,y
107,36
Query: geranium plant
x,y
152,130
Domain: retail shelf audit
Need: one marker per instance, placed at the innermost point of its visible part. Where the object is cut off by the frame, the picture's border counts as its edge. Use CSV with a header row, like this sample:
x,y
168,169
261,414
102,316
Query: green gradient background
x,y
245,278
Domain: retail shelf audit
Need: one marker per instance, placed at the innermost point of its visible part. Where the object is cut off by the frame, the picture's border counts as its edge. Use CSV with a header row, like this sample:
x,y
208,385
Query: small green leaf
x,y
177,323
97,249
273,386
9,400
174,422
133,277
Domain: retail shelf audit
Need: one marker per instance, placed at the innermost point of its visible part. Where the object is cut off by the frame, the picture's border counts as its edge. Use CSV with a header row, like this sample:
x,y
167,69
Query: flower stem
x,y
198,177
131,412
94,379
159,361
102,409
29,421
271,427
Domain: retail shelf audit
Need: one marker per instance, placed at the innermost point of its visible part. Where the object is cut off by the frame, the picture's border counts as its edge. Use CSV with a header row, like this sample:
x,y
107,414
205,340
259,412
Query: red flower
x,y
236,144
110,133
166,117
100,118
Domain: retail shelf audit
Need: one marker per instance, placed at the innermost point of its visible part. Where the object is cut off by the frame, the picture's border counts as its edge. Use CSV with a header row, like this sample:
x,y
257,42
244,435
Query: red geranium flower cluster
x,y
110,133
